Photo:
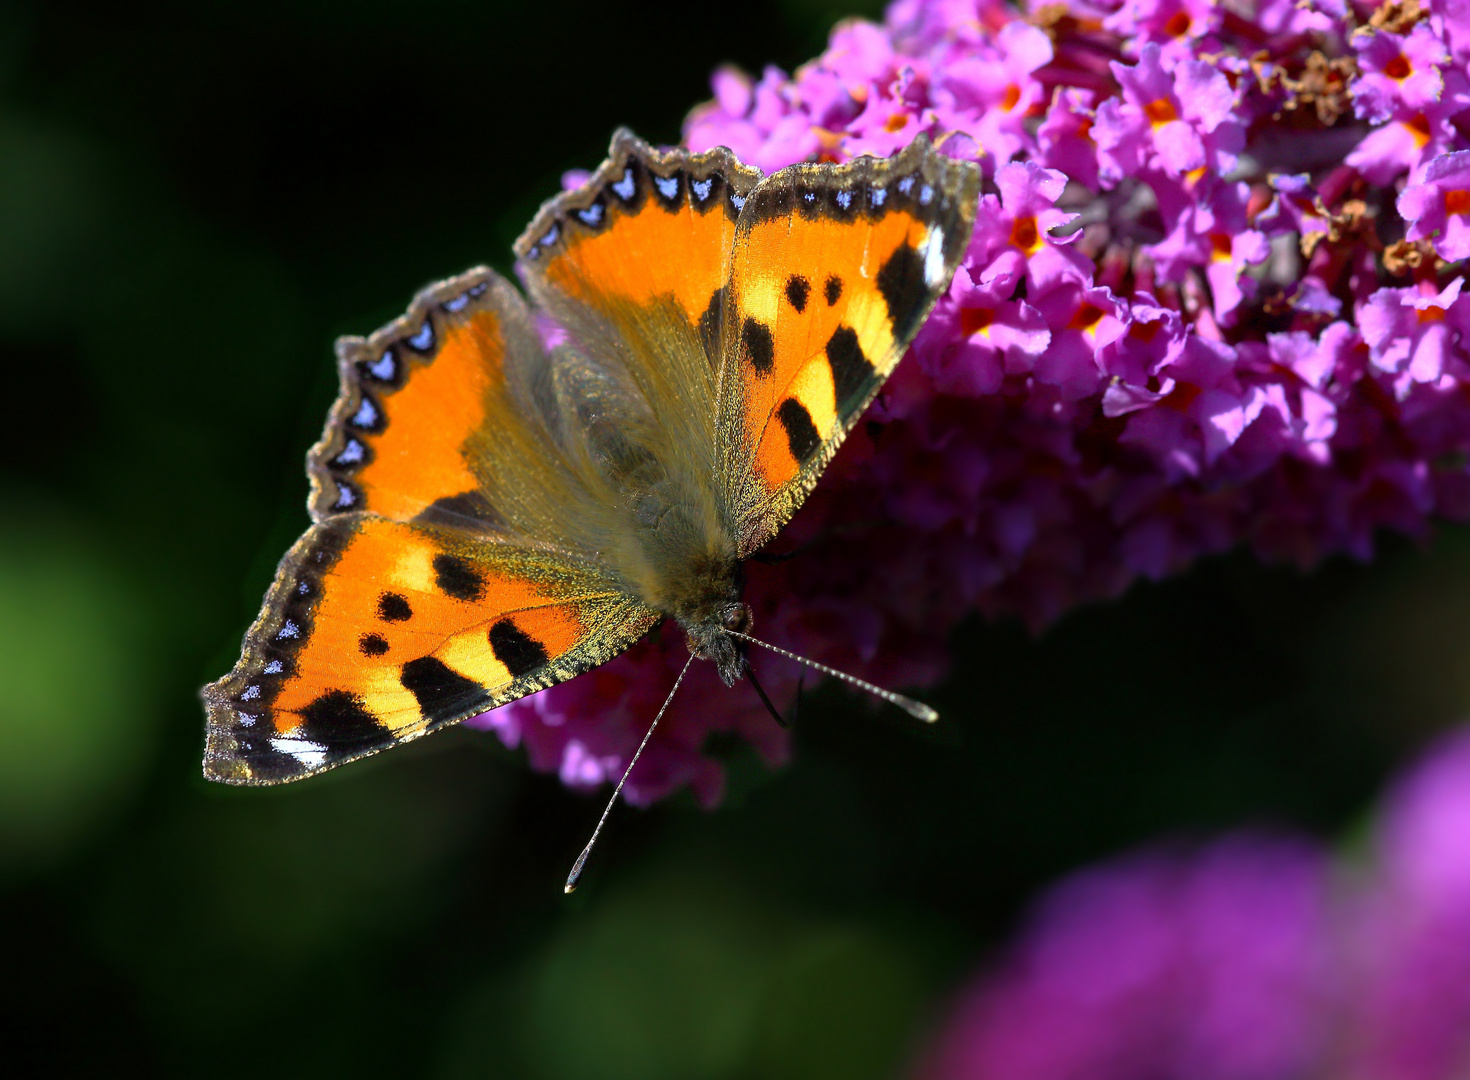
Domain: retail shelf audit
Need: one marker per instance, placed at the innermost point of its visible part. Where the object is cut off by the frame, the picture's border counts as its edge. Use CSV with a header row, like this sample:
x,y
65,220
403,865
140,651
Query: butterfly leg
x,y
770,707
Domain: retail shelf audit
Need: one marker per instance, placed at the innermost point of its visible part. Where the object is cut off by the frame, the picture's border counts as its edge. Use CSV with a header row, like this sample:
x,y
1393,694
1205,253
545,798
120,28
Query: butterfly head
x,y
710,639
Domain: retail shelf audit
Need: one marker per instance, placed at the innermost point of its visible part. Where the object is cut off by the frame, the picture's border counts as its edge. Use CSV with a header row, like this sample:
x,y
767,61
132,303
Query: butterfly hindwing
x,y
833,271
378,631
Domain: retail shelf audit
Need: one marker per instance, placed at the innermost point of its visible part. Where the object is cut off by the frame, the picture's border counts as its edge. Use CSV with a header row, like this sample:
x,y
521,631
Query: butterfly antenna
x,y
582,858
770,708
917,709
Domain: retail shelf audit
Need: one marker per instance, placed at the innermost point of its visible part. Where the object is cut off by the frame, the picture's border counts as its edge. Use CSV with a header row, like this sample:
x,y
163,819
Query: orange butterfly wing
x,y
833,272
737,326
412,397
648,228
409,605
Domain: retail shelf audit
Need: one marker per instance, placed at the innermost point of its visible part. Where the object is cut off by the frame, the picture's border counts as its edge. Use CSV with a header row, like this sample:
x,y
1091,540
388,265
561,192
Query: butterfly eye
x,y
738,618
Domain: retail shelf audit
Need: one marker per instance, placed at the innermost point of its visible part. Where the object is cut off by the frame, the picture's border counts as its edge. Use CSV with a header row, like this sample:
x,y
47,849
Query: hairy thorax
x,y
692,574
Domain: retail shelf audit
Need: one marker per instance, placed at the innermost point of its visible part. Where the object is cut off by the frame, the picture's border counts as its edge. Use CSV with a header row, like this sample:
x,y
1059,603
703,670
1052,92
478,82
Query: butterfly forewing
x,y
649,228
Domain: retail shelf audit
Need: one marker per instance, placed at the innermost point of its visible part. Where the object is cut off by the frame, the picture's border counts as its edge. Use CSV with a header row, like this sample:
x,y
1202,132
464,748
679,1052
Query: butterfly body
x,y
508,494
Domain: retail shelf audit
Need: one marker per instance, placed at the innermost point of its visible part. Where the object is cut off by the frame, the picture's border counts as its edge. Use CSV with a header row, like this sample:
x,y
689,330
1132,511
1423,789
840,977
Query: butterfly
x,y
508,494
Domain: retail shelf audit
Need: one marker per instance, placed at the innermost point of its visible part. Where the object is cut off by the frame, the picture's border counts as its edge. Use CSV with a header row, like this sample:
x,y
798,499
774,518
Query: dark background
x,y
195,199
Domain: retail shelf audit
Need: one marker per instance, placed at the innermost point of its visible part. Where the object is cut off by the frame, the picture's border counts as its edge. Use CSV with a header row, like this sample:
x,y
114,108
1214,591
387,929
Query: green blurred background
x,y
196,197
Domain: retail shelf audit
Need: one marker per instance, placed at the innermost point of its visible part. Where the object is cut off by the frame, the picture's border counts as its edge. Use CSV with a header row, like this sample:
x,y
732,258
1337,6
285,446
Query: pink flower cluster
x,y
1251,958
1213,297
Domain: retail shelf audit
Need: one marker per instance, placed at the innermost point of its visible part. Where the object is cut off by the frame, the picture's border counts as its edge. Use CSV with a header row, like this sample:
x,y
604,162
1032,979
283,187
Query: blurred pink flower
x,y
1203,965
1253,957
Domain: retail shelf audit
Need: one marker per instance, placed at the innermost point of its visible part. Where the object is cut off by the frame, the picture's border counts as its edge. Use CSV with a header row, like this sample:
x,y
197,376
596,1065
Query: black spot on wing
x,y
339,719
442,693
710,323
852,372
457,578
517,650
470,507
393,608
798,289
801,433
901,281
832,290
760,347
372,645
772,199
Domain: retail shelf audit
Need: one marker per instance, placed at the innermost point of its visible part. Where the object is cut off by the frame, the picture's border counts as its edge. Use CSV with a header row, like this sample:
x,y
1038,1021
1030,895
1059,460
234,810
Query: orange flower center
x,y
1431,314
1178,25
1398,68
1024,234
1144,331
1160,111
1182,396
1086,318
1457,202
1012,95
1418,126
974,320
1223,247
896,122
